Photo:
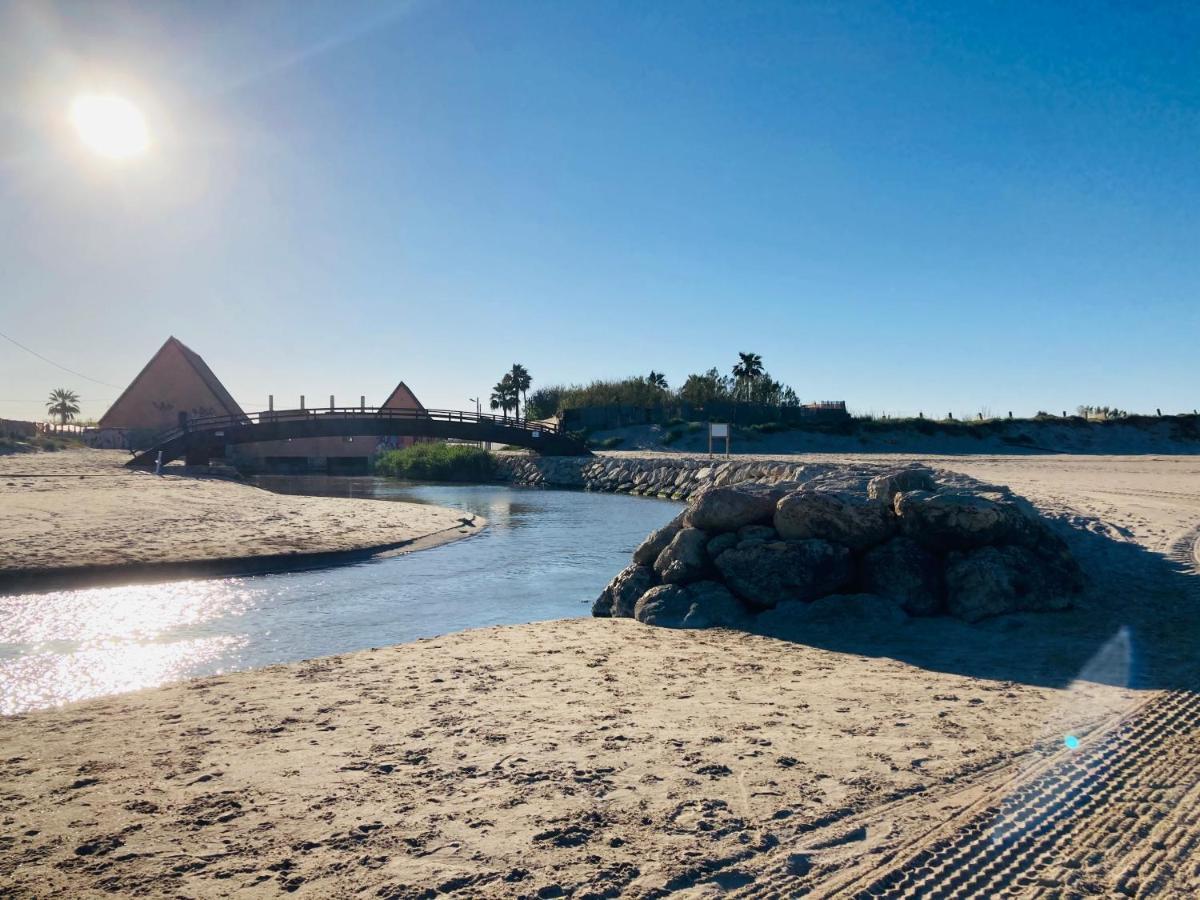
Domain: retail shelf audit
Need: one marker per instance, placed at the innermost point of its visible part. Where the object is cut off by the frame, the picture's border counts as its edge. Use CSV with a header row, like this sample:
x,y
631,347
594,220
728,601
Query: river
x,y
544,555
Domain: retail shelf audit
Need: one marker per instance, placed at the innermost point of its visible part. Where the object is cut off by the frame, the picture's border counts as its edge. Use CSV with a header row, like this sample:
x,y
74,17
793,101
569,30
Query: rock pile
x,y
673,478
778,554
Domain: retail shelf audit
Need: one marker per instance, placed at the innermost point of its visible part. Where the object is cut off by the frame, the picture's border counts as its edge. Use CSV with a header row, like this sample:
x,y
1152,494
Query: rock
x,y
757,533
992,581
905,572
885,487
653,545
702,604
666,606
718,509
684,559
962,521
769,574
621,595
843,517
858,611
721,543
713,606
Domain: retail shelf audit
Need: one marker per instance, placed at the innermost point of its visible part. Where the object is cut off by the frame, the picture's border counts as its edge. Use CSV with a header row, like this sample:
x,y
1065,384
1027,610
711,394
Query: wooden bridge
x,y
199,439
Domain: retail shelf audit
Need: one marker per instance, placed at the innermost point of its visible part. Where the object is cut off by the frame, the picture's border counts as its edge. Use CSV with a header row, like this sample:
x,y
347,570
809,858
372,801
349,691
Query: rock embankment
x,y
668,477
842,543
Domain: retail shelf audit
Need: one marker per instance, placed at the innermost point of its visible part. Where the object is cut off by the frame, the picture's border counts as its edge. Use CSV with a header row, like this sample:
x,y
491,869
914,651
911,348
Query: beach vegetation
x,y
437,462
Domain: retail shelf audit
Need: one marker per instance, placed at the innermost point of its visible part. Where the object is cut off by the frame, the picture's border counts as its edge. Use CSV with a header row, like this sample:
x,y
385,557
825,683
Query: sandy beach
x,y
79,516
603,758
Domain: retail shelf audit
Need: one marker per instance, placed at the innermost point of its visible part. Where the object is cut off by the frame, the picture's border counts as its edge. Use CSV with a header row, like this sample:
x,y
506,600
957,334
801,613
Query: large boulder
x,y
713,605
992,581
728,508
621,596
843,517
702,604
965,521
719,544
666,605
765,575
684,559
885,487
906,573
648,550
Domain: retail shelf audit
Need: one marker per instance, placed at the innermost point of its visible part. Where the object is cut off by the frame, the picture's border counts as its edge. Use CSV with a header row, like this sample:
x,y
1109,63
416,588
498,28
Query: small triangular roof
x,y
402,397
198,365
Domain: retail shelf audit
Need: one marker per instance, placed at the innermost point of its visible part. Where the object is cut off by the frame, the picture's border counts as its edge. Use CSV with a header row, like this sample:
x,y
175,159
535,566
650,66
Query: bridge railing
x,y
210,424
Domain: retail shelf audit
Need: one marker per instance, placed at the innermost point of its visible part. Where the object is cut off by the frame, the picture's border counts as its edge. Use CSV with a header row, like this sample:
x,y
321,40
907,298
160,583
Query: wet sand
x,y
79,517
600,758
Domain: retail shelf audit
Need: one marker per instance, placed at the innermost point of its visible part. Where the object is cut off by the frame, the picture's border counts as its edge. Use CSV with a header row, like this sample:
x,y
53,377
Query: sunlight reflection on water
x,y
545,554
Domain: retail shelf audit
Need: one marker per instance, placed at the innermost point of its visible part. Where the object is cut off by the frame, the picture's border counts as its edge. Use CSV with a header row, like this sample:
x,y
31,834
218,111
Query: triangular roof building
x,y
175,381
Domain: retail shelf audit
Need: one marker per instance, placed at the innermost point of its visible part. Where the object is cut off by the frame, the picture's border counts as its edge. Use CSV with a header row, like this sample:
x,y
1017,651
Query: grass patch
x,y
609,443
437,462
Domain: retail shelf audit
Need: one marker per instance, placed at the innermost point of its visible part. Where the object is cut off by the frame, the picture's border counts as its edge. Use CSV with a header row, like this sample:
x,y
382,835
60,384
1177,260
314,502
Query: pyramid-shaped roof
x,y
176,379
402,397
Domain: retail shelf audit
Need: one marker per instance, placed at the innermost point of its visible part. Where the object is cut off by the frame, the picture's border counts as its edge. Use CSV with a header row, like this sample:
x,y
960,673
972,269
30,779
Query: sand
x,y
79,516
598,758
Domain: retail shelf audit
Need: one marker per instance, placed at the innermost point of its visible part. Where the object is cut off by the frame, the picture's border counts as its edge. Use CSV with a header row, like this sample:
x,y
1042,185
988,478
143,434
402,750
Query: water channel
x,y
544,555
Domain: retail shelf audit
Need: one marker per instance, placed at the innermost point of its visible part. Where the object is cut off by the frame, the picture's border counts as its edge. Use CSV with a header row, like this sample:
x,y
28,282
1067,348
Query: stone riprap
x,y
668,477
822,544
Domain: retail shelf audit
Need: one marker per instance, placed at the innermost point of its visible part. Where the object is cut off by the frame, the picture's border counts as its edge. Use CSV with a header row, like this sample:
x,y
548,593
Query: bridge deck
x,y
207,436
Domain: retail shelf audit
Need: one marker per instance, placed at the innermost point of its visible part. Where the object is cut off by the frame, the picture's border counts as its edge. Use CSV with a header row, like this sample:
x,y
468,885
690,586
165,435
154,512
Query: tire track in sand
x,y
1118,816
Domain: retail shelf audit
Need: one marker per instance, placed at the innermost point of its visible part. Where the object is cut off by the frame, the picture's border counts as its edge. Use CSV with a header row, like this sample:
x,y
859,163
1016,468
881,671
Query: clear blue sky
x,y
911,206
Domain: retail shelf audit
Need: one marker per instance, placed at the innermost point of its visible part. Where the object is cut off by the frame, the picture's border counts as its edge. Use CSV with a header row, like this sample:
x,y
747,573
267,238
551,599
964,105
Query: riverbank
x,y
79,517
603,758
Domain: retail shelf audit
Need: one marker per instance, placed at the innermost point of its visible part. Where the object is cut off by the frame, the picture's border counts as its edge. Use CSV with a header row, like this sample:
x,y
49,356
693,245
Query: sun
x,y
110,125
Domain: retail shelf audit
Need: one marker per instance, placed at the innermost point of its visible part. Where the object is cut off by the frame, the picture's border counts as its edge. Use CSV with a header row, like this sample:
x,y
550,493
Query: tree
x,y
748,369
64,404
521,381
657,379
707,387
505,395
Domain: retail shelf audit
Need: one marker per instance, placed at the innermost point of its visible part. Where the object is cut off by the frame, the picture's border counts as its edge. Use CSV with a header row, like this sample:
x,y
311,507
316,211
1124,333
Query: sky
x,y
925,206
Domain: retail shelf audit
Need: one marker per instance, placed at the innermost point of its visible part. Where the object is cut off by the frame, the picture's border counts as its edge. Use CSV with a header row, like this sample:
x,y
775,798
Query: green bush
x,y
437,462
609,443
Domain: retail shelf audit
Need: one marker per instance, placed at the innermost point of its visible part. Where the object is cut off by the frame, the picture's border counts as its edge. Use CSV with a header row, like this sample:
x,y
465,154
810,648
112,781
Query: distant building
x,y
332,455
176,384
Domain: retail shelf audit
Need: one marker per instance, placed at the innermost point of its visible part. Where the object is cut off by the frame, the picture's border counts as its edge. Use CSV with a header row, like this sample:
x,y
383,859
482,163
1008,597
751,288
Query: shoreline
x,y
42,581
77,519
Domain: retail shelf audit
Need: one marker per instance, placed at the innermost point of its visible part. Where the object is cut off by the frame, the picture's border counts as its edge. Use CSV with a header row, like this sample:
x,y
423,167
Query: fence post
x,y
362,403
331,402
270,403
301,403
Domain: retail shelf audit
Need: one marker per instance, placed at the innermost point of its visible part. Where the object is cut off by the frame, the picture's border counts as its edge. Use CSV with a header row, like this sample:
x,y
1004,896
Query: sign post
x,y
718,430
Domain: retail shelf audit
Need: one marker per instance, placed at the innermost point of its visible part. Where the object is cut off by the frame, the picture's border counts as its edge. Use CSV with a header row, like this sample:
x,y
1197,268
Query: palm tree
x,y
657,379
64,404
521,381
504,395
748,369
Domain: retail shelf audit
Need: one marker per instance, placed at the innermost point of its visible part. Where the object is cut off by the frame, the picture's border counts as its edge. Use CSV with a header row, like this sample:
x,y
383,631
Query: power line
x,y
58,365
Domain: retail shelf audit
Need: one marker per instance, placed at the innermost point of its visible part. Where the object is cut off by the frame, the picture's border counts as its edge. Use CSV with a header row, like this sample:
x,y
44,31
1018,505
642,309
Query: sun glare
x,y
110,125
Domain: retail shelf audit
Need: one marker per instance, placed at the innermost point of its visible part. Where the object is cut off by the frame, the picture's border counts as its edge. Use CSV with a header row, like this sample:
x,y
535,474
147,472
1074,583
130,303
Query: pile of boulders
x,y
906,545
